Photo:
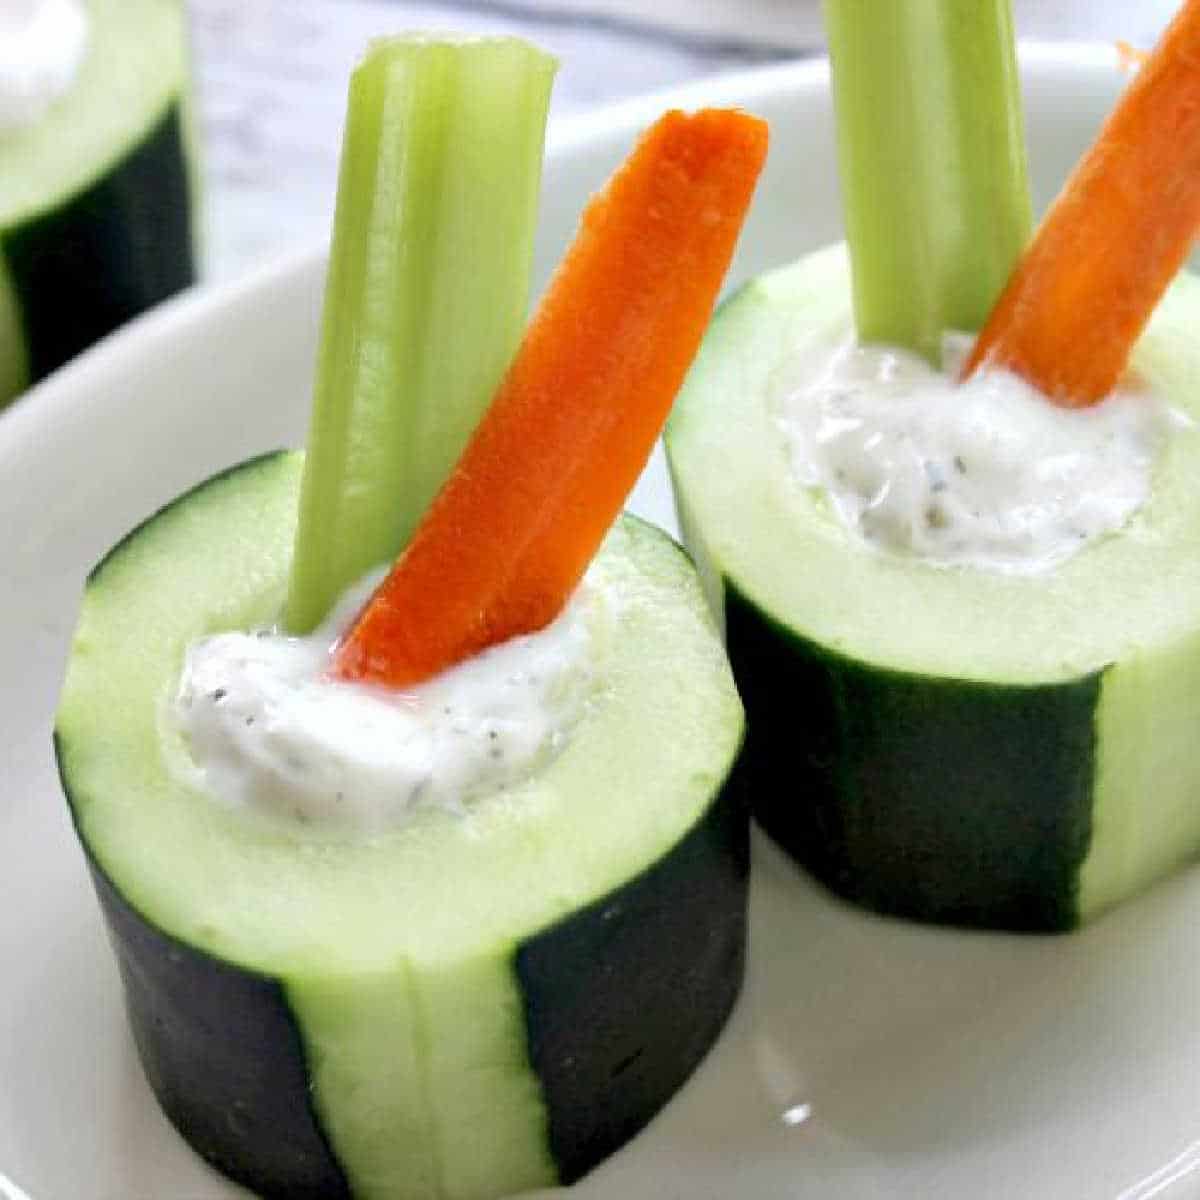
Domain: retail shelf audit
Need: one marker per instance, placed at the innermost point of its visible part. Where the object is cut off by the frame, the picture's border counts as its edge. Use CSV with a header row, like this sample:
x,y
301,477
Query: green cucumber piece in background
x,y
950,745
466,1006
96,197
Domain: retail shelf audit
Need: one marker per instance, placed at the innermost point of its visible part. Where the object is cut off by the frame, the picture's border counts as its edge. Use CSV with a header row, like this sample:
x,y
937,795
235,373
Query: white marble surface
x,y
271,77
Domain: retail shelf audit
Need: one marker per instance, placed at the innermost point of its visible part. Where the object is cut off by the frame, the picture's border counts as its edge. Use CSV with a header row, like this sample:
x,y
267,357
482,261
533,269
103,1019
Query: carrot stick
x,y
1113,240
543,477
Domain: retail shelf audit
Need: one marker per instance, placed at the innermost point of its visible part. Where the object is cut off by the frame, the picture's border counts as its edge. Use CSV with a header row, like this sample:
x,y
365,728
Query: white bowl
x,y
868,1058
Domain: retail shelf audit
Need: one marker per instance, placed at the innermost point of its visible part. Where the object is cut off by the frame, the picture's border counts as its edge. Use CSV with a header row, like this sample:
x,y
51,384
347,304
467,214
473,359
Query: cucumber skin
x,y
606,968
107,253
940,800
222,1054
614,1029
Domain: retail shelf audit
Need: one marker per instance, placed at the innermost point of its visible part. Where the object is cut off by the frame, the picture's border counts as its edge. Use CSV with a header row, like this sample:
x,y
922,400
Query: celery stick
x,y
932,152
426,295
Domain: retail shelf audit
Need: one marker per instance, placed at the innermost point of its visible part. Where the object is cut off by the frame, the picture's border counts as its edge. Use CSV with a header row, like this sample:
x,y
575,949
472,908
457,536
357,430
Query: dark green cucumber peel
x,y
225,1057
99,258
937,799
611,1047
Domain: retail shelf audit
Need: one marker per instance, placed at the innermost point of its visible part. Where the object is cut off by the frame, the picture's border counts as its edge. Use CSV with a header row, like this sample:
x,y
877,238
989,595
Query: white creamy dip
x,y
42,45
267,732
986,474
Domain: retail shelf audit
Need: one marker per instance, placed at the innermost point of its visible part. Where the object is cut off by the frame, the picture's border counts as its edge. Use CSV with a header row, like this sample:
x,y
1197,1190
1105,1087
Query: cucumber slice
x,y
96,197
950,745
427,291
465,1007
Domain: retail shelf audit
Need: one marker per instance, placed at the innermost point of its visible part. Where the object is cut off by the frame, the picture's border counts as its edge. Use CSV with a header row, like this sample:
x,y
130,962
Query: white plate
x,y
868,1058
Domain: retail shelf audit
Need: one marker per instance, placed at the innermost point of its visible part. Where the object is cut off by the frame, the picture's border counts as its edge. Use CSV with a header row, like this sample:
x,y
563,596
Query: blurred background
x,y
271,76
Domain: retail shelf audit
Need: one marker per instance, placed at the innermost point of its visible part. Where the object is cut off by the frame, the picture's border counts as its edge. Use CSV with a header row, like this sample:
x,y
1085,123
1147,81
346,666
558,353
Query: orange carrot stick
x,y
1113,240
515,525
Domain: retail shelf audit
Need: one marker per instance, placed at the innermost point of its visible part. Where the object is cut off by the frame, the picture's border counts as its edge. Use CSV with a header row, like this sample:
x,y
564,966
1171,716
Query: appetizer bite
x,y
961,584
434,886
96,186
